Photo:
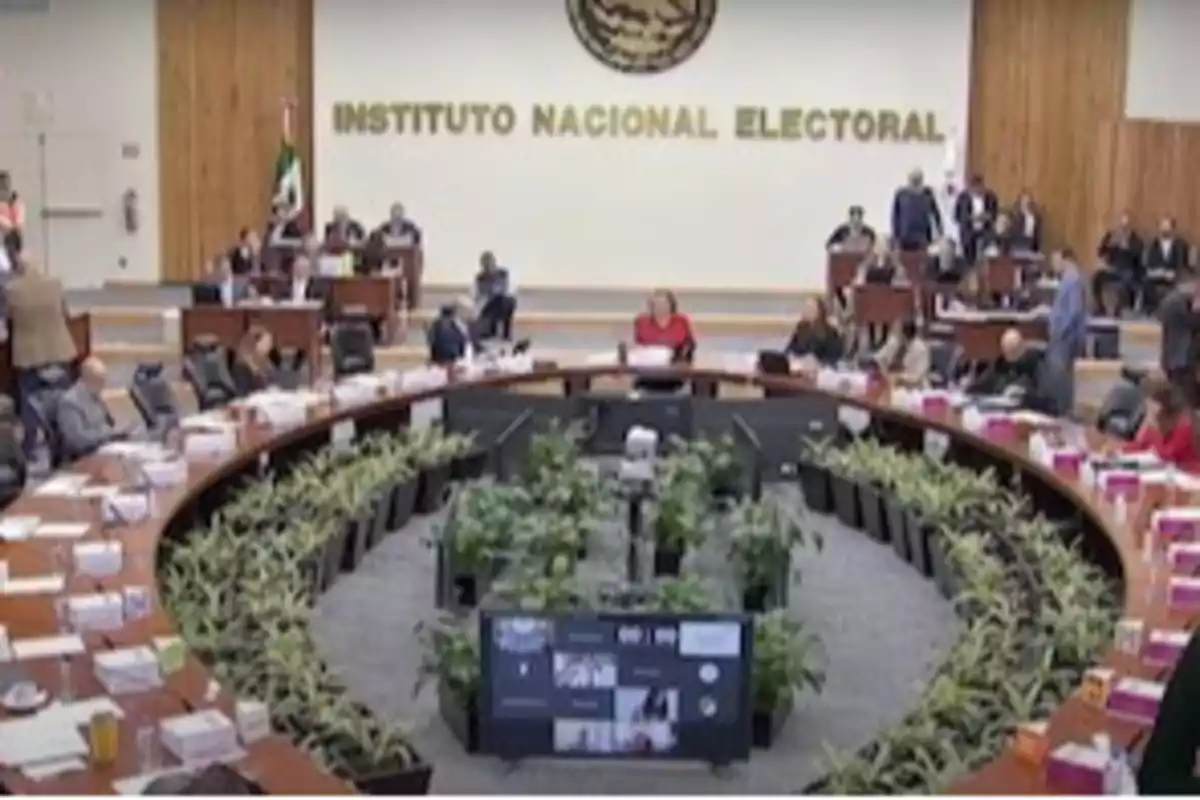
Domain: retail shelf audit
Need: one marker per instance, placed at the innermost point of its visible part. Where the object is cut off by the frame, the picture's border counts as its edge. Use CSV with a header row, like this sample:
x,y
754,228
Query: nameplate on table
x,y
165,473
127,508
99,559
253,720
209,445
1078,769
202,737
100,611
1165,647
67,484
127,670
424,379
47,647
33,585
1176,524
1183,591
1135,699
18,528
1184,556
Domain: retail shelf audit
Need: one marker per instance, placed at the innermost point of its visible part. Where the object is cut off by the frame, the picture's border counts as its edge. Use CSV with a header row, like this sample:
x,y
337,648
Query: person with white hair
x,y
916,218
452,337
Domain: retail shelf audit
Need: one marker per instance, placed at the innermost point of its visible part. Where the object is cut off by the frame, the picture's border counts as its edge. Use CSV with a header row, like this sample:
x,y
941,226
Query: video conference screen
x,y
616,686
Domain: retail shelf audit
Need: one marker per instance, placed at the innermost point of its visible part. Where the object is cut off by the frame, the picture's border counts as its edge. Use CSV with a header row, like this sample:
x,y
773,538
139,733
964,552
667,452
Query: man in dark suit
x,y
401,232
1118,280
1166,260
1170,759
40,338
1026,224
975,213
916,219
246,256
344,229
451,337
495,297
853,235
1179,314
1015,373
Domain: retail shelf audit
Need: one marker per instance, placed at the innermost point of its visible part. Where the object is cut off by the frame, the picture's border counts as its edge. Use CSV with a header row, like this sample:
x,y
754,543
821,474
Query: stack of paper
x,y
64,484
47,647
202,737
166,472
210,445
137,451
62,530
205,421
127,671
33,585
102,611
98,559
39,739
15,529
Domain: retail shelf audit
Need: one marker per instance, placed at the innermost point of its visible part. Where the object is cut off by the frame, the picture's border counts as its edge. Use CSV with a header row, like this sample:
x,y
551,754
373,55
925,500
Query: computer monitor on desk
x,y
206,294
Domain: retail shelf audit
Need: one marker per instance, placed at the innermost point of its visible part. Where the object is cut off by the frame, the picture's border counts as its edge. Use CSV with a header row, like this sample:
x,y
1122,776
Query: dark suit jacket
x,y
243,263
1169,760
1002,374
1022,240
842,232
1175,259
247,381
353,232
1127,257
447,340
1179,328
407,228
316,289
963,207
823,344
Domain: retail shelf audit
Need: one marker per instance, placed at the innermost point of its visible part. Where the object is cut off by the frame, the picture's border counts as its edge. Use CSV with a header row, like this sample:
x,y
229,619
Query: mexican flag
x,y
289,172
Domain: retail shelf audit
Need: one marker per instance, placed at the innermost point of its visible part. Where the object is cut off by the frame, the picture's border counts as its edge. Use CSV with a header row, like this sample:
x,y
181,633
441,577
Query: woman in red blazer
x,y
662,325
1169,431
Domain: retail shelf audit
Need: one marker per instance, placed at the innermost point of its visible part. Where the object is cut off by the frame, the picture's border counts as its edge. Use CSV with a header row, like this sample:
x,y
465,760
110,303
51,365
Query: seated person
x,y
662,325
495,299
853,235
399,230
302,287
881,268
1169,761
905,355
1014,373
999,241
231,289
815,336
84,422
1166,260
451,336
252,367
344,229
1117,282
246,256
1026,225
1169,431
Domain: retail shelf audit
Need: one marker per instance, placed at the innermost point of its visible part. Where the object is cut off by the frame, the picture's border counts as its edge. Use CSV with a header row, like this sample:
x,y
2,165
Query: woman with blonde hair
x,y
252,365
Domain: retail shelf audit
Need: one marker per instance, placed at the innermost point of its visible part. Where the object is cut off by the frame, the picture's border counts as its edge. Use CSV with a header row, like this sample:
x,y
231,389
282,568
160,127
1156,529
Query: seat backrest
x,y
1124,399
352,345
44,405
155,400
207,371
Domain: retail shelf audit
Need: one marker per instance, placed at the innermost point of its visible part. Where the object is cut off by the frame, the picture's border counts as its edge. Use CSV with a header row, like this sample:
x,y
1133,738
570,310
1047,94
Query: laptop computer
x,y
774,362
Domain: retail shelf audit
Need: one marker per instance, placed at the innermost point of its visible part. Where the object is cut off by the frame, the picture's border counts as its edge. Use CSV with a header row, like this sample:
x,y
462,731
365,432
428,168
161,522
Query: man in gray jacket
x,y
1179,314
84,423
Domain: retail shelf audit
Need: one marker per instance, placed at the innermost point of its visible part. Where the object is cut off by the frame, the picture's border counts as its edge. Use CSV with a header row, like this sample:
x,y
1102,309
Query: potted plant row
x,y
761,541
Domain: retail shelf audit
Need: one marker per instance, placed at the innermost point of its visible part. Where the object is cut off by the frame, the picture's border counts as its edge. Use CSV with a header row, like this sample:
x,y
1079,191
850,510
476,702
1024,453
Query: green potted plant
x,y
373,755
475,540
785,662
534,587
813,469
433,452
450,658
686,595
680,521
761,541
403,501
717,457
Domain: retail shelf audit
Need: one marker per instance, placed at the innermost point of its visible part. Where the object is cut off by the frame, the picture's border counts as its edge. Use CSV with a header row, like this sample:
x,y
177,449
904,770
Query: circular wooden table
x,y
280,768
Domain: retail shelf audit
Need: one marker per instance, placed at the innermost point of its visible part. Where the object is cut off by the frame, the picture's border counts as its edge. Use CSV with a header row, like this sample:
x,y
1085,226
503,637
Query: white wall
x,y
1164,61
93,66
635,212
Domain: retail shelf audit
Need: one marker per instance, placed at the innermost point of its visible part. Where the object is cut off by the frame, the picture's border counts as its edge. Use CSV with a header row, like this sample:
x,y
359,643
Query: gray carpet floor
x,y
884,630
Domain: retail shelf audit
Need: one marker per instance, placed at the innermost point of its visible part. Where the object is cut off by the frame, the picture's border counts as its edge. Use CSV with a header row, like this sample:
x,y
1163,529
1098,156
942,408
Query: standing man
x,y
495,297
1068,332
916,220
37,309
975,212
1179,314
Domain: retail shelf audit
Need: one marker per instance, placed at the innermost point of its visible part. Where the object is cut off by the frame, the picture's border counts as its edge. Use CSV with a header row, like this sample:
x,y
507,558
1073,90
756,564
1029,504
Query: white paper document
x,y
65,484
62,530
47,647
52,768
33,584
39,739
15,529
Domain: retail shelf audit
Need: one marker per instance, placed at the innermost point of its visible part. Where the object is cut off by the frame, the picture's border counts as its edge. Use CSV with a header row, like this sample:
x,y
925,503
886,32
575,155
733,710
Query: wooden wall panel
x,y
1047,76
1152,170
225,67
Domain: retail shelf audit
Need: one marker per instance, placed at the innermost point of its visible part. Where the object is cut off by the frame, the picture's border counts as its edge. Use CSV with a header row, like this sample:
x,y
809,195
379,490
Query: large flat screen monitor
x,y
616,685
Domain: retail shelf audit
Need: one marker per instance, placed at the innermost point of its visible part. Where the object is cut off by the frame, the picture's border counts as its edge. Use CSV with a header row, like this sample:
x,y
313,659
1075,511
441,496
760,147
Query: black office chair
x,y
352,345
44,405
946,362
291,368
154,399
1122,411
13,469
1134,374
206,370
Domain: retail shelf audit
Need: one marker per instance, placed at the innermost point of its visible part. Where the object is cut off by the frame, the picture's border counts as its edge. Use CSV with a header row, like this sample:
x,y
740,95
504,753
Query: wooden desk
x,y
999,275
279,765
979,334
226,325
370,295
882,305
80,326
290,325
842,267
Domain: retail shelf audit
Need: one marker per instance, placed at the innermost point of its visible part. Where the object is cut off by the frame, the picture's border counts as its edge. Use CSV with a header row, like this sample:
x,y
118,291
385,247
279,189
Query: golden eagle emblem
x,y
642,36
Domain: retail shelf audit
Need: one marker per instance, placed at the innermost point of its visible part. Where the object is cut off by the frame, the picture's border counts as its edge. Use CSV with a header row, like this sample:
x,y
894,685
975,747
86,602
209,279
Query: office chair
x,y
13,469
1122,411
206,370
352,345
945,363
44,405
291,369
154,399
1134,374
